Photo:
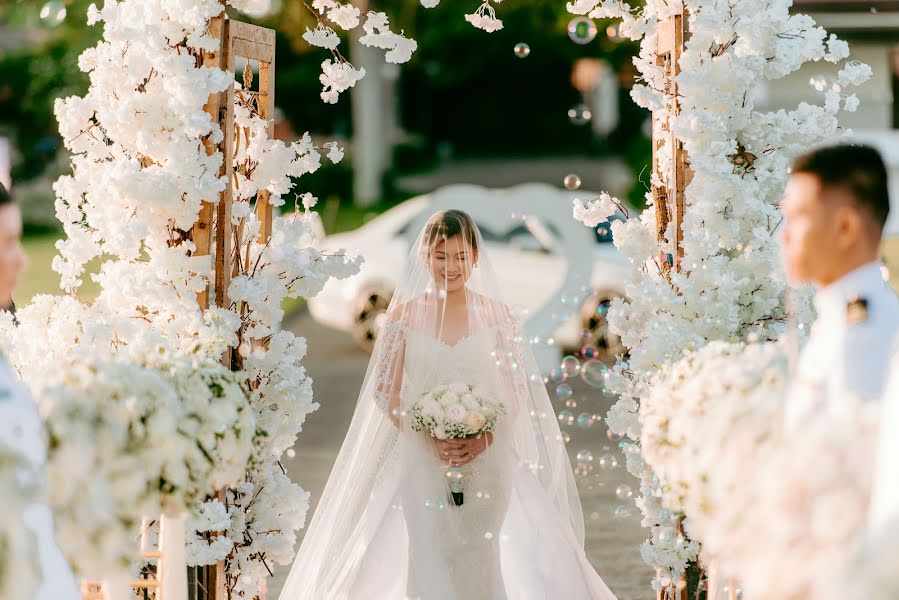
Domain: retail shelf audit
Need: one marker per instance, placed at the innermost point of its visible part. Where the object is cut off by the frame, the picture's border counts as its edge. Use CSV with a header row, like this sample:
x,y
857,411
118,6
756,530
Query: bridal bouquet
x,y
452,411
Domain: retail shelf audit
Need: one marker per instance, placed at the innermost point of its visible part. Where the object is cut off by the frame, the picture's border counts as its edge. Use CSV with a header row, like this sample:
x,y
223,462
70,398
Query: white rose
x,y
448,399
440,433
475,421
458,387
431,409
456,413
470,402
487,410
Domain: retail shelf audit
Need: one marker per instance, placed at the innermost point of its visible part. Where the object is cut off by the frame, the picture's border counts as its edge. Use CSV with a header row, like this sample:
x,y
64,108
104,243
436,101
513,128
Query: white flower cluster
x,y
728,284
455,410
129,440
21,485
141,172
338,75
378,35
485,17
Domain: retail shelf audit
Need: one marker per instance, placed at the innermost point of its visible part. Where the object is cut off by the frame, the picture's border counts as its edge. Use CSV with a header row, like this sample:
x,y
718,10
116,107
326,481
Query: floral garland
x,y
729,286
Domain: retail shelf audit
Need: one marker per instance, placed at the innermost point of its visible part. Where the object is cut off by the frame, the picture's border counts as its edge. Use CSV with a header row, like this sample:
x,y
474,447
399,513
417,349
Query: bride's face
x,y
451,261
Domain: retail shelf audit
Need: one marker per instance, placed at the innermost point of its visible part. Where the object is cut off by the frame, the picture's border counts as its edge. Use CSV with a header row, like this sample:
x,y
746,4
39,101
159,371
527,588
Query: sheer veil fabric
x,y
386,526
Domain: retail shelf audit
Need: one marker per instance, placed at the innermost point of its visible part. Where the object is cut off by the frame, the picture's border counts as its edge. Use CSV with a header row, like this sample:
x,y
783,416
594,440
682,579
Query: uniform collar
x,y
861,282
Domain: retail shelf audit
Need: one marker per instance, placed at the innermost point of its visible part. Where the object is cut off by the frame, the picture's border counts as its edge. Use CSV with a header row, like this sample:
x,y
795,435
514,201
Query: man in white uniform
x,y
20,424
835,206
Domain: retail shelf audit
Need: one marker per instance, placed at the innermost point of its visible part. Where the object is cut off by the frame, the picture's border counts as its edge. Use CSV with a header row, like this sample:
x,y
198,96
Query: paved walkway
x,y
337,367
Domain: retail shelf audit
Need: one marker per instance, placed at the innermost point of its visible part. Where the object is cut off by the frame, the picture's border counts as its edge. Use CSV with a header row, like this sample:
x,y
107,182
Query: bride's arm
x,y
390,351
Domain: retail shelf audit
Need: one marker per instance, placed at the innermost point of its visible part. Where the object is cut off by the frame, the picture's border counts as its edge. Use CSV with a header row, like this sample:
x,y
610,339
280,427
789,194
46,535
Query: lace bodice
x,y
430,361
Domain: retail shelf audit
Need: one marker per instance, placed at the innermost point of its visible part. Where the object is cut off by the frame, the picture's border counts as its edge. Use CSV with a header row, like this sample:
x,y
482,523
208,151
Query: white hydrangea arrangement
x,y
802,509
729,286
726,396
455,410
130,440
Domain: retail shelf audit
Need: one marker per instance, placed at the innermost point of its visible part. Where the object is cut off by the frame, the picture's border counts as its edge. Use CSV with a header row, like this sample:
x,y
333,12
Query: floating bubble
x,y
557,376
566,438
53,13
593,373
571,403
564,391
624,492
589,351
454,475
586,334
566,417
583,469
522,50
602,309
571,365
622,512
572,181
581,30
585,420
613,32
666,535
594,516
291,453
584,456
615,437
608,461
488,536
428,503
580,114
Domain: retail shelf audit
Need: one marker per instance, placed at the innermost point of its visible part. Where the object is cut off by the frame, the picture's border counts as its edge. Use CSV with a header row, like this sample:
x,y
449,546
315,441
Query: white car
x,y
537,248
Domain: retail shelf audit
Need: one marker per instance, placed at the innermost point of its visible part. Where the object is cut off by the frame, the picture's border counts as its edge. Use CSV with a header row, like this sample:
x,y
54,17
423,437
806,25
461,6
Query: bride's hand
x,y
460,452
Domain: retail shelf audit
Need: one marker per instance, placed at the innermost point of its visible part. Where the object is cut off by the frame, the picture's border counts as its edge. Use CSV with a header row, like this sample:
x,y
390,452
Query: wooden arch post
x,y
214,234
670,179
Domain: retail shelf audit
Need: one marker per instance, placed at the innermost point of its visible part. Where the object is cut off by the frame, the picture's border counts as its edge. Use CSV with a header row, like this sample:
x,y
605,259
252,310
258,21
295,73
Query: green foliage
x,y
37,65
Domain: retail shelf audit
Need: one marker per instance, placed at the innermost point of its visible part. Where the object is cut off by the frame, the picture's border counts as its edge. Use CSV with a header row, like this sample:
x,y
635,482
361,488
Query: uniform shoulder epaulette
x,y
857,311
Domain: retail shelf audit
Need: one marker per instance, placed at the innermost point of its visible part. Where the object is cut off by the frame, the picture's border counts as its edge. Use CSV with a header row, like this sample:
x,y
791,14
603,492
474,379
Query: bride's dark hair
x,y
448,223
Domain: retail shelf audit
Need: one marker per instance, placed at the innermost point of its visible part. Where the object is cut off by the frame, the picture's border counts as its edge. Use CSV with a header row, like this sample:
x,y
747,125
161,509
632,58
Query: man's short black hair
x,y
5,196
859,169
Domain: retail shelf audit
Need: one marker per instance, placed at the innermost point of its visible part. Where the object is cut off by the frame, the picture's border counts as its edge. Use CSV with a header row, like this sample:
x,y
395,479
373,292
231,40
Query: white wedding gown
x,y
386,527
506,540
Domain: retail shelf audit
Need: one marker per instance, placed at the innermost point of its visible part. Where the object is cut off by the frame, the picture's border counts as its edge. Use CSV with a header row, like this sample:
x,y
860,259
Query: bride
x,y
411,512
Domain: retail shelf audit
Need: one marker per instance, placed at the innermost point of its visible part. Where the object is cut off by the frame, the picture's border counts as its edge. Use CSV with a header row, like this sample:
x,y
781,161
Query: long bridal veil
x,y
379,512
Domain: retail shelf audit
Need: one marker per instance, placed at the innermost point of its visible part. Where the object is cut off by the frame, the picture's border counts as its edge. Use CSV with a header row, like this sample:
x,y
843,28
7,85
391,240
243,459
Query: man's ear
x,y
849,225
